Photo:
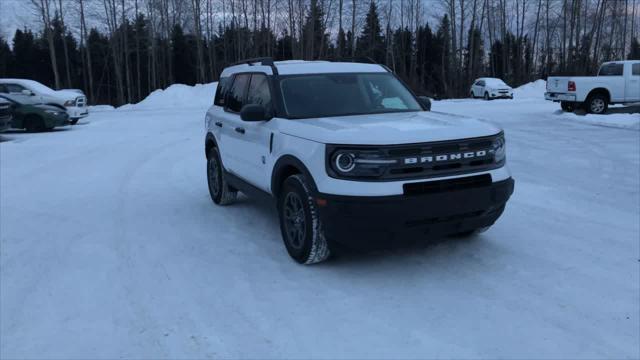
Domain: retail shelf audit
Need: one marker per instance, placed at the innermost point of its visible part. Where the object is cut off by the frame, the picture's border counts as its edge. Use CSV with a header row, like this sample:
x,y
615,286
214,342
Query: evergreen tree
x,y
5,57
370,42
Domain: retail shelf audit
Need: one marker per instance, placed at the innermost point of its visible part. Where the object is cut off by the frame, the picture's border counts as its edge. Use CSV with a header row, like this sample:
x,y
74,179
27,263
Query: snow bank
x,y
177,95
98,108
535,89
623,121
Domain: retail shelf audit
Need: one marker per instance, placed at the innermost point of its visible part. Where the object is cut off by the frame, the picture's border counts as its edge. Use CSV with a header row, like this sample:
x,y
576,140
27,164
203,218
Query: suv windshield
x,y
323,95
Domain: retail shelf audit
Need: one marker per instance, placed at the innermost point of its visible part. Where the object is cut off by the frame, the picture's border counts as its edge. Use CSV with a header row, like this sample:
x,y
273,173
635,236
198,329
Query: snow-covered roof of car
x,y
29,83
295,67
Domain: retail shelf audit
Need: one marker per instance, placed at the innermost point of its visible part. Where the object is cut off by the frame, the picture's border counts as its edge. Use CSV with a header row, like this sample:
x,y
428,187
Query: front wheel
x,y
300,222
73,121
597,104
486,96
221,193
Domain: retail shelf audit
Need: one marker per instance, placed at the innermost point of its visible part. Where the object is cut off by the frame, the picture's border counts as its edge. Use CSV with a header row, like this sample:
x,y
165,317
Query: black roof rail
x,y
266,61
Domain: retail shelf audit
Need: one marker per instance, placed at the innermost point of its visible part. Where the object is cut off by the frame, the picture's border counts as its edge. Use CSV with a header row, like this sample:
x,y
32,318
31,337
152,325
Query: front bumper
x,y
57,120
502,95
76,112
5,123
386,220
559,97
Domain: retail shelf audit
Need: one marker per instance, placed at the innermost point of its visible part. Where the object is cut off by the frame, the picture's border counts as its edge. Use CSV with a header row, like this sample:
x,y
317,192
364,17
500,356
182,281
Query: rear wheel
x,y
34,123
221,193
300,222
597,104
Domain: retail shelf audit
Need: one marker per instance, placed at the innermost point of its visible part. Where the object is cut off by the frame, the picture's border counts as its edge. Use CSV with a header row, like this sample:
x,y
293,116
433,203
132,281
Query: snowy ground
x,y
111,247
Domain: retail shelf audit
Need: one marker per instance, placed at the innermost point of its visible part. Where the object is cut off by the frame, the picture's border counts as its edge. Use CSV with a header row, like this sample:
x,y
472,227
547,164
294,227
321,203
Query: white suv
x,y
350,155
32,92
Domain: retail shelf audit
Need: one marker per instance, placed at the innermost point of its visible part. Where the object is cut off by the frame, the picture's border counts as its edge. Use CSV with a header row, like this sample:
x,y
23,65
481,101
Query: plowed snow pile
x,y
177,95
532,90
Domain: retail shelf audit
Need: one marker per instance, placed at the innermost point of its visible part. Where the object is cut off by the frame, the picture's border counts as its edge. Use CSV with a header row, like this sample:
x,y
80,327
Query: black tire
x,y
567,106
597,104
34,123
300,222
221,193
472,95
486,96
73,121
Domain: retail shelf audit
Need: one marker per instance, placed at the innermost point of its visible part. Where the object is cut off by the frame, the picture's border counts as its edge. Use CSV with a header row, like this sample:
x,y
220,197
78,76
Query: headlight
x,y
52,112
356,163
69,103
498,148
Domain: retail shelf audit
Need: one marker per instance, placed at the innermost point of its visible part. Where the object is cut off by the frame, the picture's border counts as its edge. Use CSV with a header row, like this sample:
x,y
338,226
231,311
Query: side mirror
x,y
27,92
425,102
254,112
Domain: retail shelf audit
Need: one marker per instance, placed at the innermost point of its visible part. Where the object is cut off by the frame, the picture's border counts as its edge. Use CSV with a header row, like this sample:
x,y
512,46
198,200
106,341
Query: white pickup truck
x,y
33,92
618,82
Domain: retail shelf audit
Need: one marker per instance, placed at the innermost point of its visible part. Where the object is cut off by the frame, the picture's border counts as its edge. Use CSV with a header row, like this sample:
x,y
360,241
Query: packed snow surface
x,y
110,247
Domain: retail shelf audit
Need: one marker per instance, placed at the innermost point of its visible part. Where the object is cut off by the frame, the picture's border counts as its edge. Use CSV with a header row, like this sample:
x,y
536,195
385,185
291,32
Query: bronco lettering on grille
x,y
445,157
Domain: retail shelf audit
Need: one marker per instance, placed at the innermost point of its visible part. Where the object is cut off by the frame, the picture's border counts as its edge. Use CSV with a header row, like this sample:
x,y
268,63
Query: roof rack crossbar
x,y
265,61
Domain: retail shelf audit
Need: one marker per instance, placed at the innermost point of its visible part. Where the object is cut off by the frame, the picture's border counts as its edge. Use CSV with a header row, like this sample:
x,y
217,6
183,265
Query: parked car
x,y
29,91
350,156
491,88
5,114
35,117
617,82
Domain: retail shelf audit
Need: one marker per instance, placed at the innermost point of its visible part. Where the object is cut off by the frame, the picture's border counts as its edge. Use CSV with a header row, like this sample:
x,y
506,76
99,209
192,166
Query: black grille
x,y
429,160
439,186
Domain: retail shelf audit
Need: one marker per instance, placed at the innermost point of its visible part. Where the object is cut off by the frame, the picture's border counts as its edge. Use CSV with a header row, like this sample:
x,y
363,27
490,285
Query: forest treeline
x,y
438,47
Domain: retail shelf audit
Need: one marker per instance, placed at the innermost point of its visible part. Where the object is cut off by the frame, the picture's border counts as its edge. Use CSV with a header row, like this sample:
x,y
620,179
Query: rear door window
x,y
611,70
14,88
236,97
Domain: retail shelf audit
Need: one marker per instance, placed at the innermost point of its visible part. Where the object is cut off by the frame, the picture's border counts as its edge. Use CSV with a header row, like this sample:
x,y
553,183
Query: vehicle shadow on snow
x,y
630,109
409,248
25,132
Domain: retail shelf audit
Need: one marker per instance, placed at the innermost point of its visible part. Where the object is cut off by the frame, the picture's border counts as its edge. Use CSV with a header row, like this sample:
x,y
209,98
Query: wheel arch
x,y
286,166
600,90
209,143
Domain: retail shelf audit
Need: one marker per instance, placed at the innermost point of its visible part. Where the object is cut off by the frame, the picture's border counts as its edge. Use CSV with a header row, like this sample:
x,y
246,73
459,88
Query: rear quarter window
x,y
635,69
221,91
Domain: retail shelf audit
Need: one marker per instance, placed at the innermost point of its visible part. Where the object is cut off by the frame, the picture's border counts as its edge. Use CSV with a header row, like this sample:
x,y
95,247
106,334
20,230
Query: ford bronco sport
x,y
350,155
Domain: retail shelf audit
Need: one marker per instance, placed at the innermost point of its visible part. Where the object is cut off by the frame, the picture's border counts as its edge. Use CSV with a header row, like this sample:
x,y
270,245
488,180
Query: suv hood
x,y
388,129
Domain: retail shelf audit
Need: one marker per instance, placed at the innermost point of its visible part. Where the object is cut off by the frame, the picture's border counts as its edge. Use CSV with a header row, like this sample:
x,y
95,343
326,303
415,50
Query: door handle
x,y
218,124
240,130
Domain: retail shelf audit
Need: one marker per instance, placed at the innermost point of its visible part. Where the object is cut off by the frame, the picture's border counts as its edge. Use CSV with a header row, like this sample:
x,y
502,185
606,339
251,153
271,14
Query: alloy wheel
x,y
294,220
